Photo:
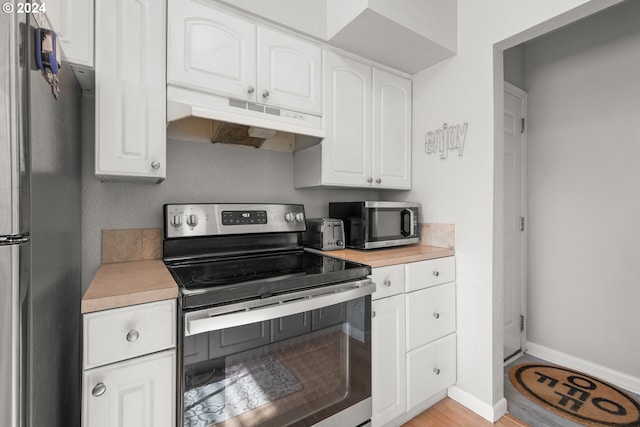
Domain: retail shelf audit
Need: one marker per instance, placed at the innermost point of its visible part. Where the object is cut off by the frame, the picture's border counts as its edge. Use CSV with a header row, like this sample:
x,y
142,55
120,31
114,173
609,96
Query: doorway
x,y
514,265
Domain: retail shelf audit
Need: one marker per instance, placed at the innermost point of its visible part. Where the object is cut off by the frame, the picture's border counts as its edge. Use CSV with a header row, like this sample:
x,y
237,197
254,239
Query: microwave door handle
x,y
403,216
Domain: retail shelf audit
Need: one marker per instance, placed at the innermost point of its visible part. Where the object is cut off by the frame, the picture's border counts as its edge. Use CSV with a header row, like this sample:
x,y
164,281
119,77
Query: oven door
x,y
299,359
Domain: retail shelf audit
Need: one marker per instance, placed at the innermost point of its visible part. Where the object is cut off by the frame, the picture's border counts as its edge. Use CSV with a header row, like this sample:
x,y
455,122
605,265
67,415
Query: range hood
x,y
183,103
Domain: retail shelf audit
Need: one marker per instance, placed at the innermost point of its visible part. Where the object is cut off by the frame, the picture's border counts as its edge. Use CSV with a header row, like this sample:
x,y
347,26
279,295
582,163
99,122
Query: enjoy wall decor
x,y
449,138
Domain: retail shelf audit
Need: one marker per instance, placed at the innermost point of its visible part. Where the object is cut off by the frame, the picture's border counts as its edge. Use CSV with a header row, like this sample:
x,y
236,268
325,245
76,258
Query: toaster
x,y
326,234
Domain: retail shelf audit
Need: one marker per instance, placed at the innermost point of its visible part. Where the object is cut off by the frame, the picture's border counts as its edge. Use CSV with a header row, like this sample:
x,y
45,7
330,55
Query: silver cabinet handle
x,y
99,390
436,371
436,315
436,273
378,181
132,335
373,314
155,164
265,93
387,283
251,89
369,179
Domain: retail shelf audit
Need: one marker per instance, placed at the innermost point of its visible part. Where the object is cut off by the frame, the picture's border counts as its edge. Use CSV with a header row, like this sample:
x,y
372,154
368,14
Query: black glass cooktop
x,y
225,280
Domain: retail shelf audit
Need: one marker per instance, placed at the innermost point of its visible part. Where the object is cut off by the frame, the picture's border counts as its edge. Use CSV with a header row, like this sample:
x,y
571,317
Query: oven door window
x,y
389,224
295,370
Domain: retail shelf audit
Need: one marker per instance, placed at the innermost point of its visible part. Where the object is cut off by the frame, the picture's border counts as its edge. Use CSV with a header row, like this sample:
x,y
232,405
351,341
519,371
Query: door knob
x,y
387,283
436,315
99,390
436,371
251,89
378,181
265,93
155,164
369,179
436,273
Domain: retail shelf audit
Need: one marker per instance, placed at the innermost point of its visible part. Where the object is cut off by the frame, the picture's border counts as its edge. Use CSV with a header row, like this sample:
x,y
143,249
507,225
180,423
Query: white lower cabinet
x,y
430,368
129,366
388,359
139,392
413,337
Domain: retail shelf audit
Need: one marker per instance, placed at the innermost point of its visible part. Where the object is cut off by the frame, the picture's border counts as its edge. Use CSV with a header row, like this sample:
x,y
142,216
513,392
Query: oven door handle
x,y
224,317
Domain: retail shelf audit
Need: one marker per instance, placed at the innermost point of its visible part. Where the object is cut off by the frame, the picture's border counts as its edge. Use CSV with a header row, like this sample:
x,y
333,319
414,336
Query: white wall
x,y
460,190
584,203
196,172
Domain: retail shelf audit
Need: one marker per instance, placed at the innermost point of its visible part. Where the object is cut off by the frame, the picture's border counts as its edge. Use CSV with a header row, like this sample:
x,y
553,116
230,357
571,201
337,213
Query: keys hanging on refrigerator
x,y
46,50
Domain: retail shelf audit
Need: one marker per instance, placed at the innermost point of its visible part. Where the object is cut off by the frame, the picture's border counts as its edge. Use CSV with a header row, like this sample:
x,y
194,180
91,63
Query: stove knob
x,y
299,217
289,217
192,220
176,221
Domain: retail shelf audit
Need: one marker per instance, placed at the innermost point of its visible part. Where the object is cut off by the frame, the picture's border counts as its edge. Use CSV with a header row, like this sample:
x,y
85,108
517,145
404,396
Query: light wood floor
x,y
449,413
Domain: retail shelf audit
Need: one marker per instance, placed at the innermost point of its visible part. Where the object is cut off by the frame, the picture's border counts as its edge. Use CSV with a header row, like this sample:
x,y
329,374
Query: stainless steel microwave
x,y
370,225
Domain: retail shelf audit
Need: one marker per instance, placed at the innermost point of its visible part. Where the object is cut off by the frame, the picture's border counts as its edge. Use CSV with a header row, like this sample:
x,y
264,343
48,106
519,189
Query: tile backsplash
x,y
135,244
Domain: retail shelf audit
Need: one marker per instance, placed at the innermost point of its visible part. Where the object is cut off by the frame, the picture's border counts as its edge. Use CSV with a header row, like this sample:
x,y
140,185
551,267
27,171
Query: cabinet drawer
x,y
389,281
431,314
430,369
424,274
122,333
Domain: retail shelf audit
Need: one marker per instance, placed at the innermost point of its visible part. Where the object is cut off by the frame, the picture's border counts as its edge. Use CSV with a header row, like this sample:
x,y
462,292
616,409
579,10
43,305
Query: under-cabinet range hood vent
x,y
182,103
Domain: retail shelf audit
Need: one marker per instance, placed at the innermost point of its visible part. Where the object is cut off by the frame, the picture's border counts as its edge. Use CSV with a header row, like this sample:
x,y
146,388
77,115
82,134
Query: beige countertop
x,y
121,284
401,255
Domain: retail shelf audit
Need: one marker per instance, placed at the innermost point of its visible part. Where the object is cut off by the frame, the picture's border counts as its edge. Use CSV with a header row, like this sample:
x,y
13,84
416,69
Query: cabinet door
x,y
290,326
346,151
72,21
430,369
388,359
211,51
391,131
289,72
130,90
239,338
136,393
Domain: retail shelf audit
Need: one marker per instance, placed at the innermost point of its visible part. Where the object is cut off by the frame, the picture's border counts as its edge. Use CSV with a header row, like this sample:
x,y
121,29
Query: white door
x,y
210,50
346,150
388,362
289,72
391,131
130,90
135,393
514,221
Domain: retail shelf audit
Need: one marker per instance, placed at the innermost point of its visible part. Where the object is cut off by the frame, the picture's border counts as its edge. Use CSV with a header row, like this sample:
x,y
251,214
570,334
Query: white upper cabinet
x,y
210,50
367,117
72,20
391,130
217,52
346,151
289,72
130,90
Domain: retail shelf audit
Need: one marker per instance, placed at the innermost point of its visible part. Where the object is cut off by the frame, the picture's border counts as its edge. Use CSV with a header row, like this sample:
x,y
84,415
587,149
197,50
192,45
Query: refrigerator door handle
x,y
14,239
9,335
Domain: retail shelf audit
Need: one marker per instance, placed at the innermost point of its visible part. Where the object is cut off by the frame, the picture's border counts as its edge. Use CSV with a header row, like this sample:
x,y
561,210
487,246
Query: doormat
x,y
246,386
576,396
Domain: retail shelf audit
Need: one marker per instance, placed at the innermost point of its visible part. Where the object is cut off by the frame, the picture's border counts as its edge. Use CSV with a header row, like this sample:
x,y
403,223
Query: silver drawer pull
x,y
378,181
251,89
436,315
436,371
99,390
436,273
155,164
387,283
132,335
265,93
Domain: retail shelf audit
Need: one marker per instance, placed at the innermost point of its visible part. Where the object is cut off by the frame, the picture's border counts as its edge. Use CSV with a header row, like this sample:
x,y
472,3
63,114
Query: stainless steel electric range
x,y
271,334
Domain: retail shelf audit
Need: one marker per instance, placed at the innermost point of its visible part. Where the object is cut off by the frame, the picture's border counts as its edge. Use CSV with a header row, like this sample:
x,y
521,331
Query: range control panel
x,y
213,219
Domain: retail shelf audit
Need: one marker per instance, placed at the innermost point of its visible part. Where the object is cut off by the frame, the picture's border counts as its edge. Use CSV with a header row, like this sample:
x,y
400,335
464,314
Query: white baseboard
x,y
488,412
618,378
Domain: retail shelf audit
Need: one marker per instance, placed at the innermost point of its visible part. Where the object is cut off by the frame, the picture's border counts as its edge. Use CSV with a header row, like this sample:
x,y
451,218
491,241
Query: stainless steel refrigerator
x,y
40,218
